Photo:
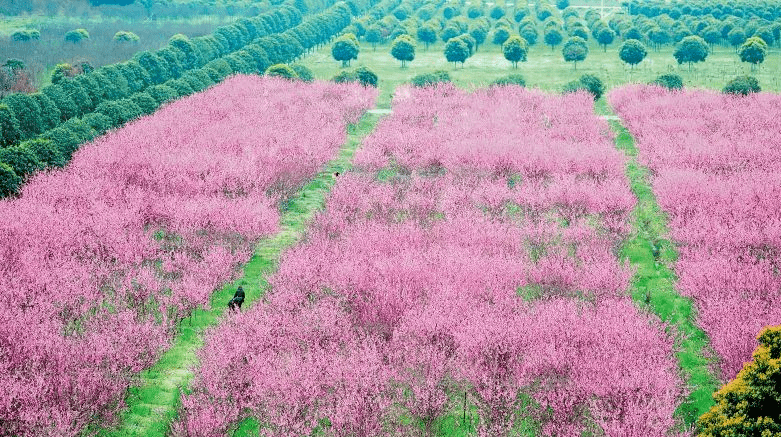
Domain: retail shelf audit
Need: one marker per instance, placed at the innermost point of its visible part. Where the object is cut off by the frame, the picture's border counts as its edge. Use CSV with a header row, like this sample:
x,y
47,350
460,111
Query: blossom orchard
x,y
99,261
714,160
465,268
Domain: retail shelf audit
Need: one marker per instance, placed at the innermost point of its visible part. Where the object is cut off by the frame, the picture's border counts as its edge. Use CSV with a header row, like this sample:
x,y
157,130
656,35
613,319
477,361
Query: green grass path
x,y
653,286
153,401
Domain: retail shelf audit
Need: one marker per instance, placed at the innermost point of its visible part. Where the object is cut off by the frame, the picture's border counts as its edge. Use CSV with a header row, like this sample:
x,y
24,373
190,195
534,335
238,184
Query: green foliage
x,y
500,35
112,110
553,37
512,79
562,4
46,152
456,50
130,111
9,127
27,112
118,86
62,72
632,52
9,180
99,122
575,50
190,58
743,85
690,50
515,50
26,35
750,404
63,139
345,49
124,36
362,75
50,115
162,93
669,81
181,87
753,51
605,36
171,58
77,35
427,35
403,49
303,72
144,101
79,96
587,82
136,76
62,100
281,70
736,37
373,36
497,12
345,76
156,67
427,79
21,159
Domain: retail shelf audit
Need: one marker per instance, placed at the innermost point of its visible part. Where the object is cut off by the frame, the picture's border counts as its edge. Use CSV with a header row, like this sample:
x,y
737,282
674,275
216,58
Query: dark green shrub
x,y
195,83
669,81
46,152
9,127
171,56
91,87
426,79
222,67
743,85
77,35
63,139
9,180
26,35
98,121
190,58
50,115
62,100
79,96
181,87
61,72
281,70
21,159
303,72
112,110
80,130
512,79
203,77
366,77
345,76
260,57
130,111
214,75
593,84
162,93
156,67
118,80
124,36
27,112
137,76
573,86
144,101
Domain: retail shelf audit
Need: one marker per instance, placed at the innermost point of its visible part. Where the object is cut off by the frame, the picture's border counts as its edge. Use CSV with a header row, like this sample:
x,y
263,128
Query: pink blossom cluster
x,y
99,261
715,160
436,283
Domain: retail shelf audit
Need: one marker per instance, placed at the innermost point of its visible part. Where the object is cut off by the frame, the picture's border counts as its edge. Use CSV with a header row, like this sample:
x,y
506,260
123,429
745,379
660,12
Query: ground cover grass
x,y
152,402
653,285
546,68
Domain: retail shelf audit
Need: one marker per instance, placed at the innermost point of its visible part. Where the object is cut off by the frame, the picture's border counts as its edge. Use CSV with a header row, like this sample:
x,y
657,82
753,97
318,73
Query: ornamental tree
x,y
743,85
456,51
373,36
515,49
403,49
753,51
575,50
690,50
553,37
9,127
632,52
500,35
345,49
427,35
605,36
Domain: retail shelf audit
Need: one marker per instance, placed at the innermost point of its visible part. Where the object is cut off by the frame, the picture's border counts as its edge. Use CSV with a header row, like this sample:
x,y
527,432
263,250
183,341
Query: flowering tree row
x,y
715,160
449,277
99,261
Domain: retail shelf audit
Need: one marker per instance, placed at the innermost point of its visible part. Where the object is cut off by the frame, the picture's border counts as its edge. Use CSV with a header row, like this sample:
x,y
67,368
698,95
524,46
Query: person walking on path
x,y
238,299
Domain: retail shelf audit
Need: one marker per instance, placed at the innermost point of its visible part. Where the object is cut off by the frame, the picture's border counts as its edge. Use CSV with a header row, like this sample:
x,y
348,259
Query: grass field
x,y
546,69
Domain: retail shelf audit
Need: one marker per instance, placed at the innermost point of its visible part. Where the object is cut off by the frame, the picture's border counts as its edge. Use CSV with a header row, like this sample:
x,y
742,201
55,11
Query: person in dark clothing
x,y
238,299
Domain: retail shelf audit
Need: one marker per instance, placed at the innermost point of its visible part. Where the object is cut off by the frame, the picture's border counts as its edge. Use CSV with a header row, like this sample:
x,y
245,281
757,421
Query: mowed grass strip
x,y
653,285
153,402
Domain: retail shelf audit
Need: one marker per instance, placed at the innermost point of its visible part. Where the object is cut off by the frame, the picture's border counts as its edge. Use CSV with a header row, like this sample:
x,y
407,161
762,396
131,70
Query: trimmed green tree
x,y
427,35
690,50
9,127
632,52
46,151
743,85
373,36
753,51
9,180
515,49
345,49
500,35
403,49
281,70
21,159
575,50
27,112
456,51
553,37
605,36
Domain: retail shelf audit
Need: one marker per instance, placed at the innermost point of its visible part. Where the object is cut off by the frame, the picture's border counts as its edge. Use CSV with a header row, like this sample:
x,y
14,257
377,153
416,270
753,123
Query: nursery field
x,y
493,261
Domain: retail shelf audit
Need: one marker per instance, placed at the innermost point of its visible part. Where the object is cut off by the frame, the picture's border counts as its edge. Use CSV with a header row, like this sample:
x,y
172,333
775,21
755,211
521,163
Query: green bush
x,y
62,100
750,404
587,82
50,115
61,72
27,112
47,153
21,159
345,76
9,127
144,101
98,121
512,79
743,85
77,35
80,130
303,72
195,83
162,93
669,81
112,110
426,79
124,36
181,87
26,35
9,180
130,111
366,77
281,70
79,96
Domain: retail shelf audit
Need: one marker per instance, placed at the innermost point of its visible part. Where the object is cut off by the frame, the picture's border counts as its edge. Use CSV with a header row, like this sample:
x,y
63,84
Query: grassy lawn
x,y
546,69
